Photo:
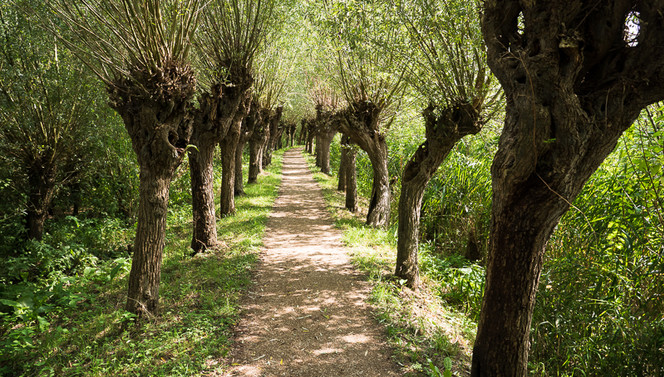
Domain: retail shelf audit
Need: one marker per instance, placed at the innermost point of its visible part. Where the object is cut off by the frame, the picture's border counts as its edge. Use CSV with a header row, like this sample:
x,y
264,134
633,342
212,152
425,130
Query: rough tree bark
x,y
573,85
311,134
302,138
444,127
245,133
326,130
228,148
273,135
345,140
256,144
351,179
41,177
291,129
360,122
211,123
156,116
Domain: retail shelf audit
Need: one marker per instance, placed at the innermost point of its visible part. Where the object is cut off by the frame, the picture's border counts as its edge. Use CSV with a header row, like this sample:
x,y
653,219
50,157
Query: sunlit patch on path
x,y
306,315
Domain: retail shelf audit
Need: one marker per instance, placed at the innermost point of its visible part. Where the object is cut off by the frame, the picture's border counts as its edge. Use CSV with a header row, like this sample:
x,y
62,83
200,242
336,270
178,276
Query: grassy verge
x,y
429,336
91,333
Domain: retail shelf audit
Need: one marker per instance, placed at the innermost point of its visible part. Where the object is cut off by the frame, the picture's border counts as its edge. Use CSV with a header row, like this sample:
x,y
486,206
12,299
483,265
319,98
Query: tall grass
x,y
600,301
76,325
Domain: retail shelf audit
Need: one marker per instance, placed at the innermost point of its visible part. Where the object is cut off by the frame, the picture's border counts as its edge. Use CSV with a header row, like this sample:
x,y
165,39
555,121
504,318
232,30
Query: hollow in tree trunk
x,y
442,133
573,85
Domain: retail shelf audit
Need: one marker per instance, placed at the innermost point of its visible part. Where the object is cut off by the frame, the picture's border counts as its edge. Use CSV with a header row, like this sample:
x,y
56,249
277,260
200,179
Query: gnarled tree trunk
x,y
341,186
160,128
442,133
351,180
573,86
326,132
245,133
311,134
228,148
145,274
256,145
361,123
211,124
273,136
202,196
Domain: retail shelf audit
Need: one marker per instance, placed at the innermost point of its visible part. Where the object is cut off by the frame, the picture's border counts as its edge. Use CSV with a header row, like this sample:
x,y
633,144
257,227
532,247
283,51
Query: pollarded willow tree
x,y
576,75
47,114
269,90
140,49
326,102
371,81
231,34
450,73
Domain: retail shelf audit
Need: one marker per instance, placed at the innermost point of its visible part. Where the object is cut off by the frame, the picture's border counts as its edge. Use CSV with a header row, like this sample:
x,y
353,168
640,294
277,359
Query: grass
x,y
423,330
199,298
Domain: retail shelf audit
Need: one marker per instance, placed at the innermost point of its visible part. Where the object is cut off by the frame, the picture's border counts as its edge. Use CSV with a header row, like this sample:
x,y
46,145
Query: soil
x,y
307,314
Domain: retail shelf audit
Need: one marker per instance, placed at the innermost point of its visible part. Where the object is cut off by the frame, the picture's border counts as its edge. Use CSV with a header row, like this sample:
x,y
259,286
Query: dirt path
x,y
307,315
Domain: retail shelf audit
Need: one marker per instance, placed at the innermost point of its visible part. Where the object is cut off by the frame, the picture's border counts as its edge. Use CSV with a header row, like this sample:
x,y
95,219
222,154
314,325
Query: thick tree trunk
x,y
228,148
254,162
248,126
218,108
202,196
256,142
302,137
319,151
361,122
442,132
229,145
573,86
239,179
265,146
311,135
379,206
42,189
143,293
351,180
155,109
273,135
325,155
343,161
325,140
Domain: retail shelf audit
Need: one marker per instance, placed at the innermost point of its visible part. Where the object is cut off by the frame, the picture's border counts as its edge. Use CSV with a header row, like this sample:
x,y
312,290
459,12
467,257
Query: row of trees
x,y
575,76
186,75
183,77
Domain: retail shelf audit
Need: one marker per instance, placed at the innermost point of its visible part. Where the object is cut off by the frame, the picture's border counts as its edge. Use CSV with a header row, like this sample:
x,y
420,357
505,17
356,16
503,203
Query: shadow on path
x,y
307,313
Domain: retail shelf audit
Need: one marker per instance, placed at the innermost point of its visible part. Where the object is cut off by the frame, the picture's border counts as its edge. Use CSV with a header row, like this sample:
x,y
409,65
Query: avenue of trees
x,y
476,131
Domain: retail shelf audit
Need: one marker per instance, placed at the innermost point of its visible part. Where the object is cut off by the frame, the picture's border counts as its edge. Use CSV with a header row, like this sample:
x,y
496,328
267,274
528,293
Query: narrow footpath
x,y
307,314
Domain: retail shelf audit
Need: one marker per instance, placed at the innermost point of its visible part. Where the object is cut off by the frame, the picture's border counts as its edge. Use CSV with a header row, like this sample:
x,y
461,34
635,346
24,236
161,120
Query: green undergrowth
x,y
430,337
77,326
